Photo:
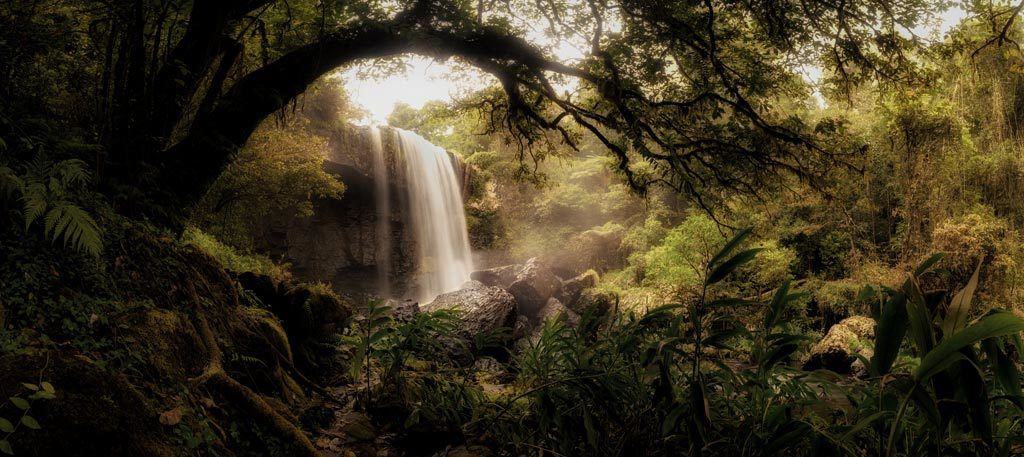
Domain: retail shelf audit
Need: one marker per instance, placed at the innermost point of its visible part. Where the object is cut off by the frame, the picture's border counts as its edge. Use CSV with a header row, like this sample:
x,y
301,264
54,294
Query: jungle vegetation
x,y
742,215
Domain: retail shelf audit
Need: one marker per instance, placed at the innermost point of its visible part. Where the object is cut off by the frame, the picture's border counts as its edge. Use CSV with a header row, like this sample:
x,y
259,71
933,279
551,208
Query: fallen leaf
x,y
171,417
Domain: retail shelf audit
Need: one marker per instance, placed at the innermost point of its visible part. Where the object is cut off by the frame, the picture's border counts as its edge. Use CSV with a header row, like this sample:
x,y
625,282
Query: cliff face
x,y
340,242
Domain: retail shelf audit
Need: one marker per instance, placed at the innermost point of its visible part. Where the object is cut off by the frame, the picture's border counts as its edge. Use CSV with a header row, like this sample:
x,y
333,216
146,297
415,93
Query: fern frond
x,y
69,173
33,195
9,182
75,226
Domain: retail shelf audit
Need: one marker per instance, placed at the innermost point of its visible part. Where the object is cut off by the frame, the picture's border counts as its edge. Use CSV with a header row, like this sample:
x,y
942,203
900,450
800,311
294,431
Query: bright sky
x,y
427,80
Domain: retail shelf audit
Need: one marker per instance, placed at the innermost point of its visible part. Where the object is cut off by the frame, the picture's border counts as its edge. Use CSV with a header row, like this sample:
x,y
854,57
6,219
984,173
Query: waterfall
x,y
383,196
438,218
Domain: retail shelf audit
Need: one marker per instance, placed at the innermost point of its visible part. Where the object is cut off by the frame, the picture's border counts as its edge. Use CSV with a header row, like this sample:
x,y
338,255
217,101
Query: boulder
x,y
499,276
838,350
554,310
488,364
403,310
483,310
472,284
522,327
312,311
307,311
573,287
595,302
534,285
265,288
356,426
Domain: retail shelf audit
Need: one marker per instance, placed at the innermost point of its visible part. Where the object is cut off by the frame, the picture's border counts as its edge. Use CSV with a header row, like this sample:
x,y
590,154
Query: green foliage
x,y
231,258
279,174
20,407
47,191
658,382
950,385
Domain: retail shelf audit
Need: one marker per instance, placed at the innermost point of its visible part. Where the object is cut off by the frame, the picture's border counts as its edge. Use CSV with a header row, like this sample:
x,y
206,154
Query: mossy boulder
x,y
839,349
595,302
573,287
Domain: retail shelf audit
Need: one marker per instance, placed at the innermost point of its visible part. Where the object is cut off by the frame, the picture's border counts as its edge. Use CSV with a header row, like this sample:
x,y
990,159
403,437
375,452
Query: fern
x,y
45,189
34,197
75,226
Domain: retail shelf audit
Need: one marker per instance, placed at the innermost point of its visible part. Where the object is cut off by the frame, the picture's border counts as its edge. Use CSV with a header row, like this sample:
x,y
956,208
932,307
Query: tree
x,y
685,88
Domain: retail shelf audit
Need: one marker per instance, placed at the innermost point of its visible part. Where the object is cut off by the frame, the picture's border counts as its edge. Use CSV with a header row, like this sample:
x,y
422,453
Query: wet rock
x,y
521,328
837,351
533,286
592,301
483,310
500,276
573,287
554,310
488,364
472,284
403,310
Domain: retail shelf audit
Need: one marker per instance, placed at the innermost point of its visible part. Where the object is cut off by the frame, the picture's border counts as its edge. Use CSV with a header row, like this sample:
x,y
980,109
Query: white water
x,y
383,197
438,218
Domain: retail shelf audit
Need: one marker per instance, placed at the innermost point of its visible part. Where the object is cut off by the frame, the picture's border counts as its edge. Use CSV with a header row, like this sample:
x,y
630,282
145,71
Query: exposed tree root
x,y
214,376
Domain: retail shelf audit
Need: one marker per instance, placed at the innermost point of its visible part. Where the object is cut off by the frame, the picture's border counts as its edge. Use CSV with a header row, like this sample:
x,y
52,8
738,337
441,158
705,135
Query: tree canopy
x,y
683,94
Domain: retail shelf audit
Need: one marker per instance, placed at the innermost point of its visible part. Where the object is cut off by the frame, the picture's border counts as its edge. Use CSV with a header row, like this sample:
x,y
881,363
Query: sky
x,y
425,80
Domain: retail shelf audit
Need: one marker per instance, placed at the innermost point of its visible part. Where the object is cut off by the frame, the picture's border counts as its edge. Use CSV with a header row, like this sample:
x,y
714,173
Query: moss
x,y
231,258
126,326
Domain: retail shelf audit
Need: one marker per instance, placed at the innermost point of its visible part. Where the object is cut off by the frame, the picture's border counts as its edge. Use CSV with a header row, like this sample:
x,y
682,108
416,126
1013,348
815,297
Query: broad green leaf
x,y
669,424
728,248
6,426
918,317
889,333
928,263
5,447
775,307
30,422
19,402
722,271
960,305
991,326
593,437
31,387
861,424
47,387
972,383
1004,368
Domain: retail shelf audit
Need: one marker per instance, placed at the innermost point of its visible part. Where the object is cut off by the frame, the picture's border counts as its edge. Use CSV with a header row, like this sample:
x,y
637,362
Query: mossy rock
x,y
839,349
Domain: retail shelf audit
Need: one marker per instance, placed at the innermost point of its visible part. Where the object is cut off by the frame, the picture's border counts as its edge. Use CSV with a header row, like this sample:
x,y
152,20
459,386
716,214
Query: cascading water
x,y
437,217
383,196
